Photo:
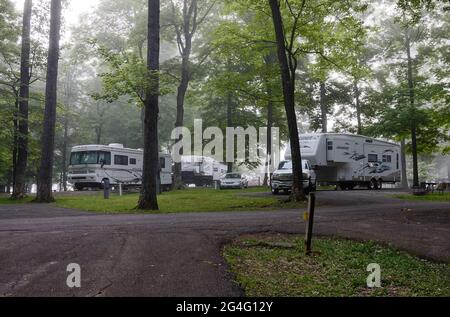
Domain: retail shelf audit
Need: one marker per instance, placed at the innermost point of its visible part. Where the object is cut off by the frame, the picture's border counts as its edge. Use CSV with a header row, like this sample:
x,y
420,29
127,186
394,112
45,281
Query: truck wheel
x,y
275,191
78,187
373,184
380,184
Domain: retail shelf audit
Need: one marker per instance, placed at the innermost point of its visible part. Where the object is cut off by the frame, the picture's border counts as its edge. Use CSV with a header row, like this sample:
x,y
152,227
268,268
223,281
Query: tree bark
x,y
15,132
288,84
358,106
230,124
404,183
148,199
413,112
323,107
22,136
185,47
64,153
44,192
269,60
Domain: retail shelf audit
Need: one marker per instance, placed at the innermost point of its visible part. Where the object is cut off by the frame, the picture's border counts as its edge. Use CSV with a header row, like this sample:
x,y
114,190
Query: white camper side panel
x,y
381,162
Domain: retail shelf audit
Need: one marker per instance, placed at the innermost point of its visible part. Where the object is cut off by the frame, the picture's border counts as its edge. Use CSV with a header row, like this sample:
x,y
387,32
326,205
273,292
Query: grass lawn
x,y
275,265
189,200
427,197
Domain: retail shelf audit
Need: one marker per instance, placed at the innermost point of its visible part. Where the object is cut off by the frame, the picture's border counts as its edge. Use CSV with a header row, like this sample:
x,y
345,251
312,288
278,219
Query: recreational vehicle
x,y
91,165
201,170
351,160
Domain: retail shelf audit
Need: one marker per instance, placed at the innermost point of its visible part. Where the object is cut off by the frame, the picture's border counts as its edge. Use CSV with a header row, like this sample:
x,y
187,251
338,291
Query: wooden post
x,y
309,223
106,188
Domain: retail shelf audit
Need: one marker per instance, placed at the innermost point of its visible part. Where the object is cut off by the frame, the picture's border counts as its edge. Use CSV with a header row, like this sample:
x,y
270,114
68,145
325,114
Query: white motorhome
x,y
201,170
351,160
91,165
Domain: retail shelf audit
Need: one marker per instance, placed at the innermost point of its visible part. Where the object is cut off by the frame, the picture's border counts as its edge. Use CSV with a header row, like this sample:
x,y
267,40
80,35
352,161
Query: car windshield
x,y
286,165
232,176
90,157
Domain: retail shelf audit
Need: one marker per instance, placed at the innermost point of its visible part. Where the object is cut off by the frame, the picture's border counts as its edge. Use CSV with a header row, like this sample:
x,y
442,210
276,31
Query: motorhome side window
x,y
162,162
373,158
387,159
104,158
120,160
132,161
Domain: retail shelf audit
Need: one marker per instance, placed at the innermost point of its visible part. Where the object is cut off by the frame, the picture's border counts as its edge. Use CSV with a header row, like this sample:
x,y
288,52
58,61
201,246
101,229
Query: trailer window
x,y
387,159
373,158
162,162
120,160
132,161
330,145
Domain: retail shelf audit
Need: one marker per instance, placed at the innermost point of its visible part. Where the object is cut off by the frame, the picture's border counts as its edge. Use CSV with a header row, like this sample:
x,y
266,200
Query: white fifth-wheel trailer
x,y
91,165
350,160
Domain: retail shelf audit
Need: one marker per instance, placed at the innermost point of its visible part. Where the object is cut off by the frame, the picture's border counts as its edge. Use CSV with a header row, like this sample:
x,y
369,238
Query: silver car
x,y
233,180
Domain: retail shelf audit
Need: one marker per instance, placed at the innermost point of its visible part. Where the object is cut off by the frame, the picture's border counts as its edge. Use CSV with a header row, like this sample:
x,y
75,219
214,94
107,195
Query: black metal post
x,y
310,222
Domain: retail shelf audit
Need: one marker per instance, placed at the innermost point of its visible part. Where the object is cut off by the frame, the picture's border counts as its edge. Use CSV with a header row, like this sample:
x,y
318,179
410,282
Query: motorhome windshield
x,y
286,165
90,157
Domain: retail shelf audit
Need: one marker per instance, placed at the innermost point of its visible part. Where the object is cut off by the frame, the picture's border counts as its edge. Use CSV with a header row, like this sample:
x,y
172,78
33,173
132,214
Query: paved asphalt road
x,y
180,254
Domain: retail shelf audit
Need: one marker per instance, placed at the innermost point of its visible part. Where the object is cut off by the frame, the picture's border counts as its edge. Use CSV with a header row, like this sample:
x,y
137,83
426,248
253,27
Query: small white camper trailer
x,y
351,160
91,165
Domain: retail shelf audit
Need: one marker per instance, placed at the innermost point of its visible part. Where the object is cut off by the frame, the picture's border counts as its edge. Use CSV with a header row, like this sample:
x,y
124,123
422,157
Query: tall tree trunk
x,y
185,51
323,107
288,84
230,124
413,112
148,199
44,191
269,60
269,160
64,153
358,106
181,94
22,140
404,183
15,132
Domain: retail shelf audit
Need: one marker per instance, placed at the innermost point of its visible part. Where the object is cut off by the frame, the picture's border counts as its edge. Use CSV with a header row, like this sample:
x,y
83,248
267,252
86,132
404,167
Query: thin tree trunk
x,y
323,107
44,192
15,127
404,183
269,60
230,124
185,51
288,83
64,153
22,139
413,112
148,199
358,106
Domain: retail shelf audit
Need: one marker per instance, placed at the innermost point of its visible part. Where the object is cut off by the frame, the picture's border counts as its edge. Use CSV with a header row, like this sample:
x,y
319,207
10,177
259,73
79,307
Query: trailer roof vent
x,y
369,141
117,145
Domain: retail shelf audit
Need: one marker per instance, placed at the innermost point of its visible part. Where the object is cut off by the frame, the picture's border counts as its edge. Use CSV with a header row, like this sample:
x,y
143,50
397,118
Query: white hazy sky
x,y
71,14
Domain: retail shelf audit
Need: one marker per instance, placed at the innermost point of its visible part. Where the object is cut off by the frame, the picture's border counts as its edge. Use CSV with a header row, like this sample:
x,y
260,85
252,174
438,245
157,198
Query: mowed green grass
x,y
276,265
428,197
189,200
